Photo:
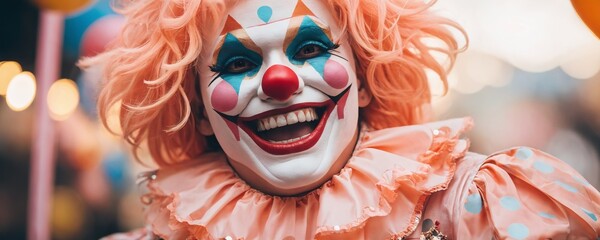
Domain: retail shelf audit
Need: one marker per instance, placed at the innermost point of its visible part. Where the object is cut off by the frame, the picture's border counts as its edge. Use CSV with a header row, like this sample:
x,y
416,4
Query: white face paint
x,y
281,94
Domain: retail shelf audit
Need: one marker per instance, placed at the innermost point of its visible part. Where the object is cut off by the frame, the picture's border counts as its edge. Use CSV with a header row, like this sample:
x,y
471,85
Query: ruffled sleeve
x,y
524,193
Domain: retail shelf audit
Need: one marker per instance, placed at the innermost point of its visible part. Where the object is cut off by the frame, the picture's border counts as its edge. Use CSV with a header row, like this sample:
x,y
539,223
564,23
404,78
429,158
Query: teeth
x,y
291,118
302,115
290,140
265,123
281,121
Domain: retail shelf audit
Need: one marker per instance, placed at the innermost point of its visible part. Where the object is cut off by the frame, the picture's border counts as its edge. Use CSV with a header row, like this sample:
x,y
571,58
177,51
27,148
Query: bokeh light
x,y
534,36
588,11
63,98
583,62
21,91
68,213
8,70
112,119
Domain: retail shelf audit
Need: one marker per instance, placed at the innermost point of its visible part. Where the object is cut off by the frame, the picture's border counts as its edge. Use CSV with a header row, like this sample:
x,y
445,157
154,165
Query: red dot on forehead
x,y
223,98
335,74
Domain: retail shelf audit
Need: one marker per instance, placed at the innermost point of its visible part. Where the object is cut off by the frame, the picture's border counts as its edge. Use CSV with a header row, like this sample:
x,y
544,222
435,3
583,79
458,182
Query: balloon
x,y
100,33
115,168
589,11
89,86
65,6
78,22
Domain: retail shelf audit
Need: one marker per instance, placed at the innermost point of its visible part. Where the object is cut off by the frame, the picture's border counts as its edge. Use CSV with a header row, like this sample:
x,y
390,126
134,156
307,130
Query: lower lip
x,y
292,147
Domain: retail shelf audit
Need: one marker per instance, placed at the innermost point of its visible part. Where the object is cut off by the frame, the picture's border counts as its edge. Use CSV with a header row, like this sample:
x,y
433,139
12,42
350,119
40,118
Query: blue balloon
x,y
88,96
115,167
77,23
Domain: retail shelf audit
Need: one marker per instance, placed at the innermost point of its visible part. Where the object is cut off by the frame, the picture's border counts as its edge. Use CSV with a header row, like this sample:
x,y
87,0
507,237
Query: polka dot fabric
x,y
524,193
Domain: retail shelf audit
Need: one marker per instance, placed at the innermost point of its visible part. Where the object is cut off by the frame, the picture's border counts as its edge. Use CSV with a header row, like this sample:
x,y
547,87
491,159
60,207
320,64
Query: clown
x,y
303,119
282,81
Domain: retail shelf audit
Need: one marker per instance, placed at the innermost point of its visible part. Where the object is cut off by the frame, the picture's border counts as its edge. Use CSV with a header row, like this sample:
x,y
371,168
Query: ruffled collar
x,y
390,168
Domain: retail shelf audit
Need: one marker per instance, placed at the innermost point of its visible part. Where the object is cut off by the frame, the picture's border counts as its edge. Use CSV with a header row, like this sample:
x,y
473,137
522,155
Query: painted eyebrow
x,y
322,26
296,25
242,37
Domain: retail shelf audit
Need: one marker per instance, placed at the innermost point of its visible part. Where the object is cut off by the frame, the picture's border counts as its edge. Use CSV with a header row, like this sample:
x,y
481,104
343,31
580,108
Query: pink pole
x,y
47,70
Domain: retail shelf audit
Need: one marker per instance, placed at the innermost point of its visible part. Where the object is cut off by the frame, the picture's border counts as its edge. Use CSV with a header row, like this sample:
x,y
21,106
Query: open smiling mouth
x,y
291,129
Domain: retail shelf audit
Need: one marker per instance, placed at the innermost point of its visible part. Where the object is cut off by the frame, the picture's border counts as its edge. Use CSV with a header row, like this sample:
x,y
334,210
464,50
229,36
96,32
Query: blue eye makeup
x,y
310,42
235,62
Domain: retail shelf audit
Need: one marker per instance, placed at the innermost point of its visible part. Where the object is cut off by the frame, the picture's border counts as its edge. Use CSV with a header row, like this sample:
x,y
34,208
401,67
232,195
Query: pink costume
x,y
411,182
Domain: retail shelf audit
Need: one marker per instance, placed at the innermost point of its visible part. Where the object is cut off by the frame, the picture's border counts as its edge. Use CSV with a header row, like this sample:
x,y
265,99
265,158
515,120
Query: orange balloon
x,y
589,12
65,6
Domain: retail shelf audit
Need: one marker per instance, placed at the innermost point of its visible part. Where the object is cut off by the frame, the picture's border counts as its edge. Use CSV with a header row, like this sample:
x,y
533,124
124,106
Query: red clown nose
x,y
280,82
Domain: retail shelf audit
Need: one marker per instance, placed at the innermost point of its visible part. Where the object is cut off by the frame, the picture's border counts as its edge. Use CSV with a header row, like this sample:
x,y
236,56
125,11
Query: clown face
x,y
279,87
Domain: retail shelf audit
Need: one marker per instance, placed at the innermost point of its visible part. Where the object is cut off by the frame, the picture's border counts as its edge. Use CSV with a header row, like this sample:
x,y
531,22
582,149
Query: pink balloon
x,y
100,33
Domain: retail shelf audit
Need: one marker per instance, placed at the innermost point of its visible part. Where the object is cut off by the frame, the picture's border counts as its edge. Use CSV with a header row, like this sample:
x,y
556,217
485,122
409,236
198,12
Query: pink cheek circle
x,y
223,97
335,74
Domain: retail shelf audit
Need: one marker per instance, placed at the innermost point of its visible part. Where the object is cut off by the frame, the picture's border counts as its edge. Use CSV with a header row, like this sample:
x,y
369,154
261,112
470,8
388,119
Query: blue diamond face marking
x,y
265,13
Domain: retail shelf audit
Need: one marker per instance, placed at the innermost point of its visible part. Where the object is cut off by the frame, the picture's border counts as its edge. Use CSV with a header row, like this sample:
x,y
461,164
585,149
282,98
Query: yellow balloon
x,y
65,6
589,11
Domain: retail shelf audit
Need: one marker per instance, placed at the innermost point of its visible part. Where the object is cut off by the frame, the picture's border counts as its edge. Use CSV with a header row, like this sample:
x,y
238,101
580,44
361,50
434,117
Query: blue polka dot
x,y
546,215
518,231
581,180
265,13
590,214
510,203
524,153
474,203
543,167
566,186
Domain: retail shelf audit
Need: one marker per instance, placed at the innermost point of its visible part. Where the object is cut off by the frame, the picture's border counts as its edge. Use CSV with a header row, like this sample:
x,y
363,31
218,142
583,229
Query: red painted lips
x,y
291,129
300,141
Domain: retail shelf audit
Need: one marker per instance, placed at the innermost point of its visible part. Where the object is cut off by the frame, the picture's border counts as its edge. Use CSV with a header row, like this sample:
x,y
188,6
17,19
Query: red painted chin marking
x,y
341,105
292,147
234,129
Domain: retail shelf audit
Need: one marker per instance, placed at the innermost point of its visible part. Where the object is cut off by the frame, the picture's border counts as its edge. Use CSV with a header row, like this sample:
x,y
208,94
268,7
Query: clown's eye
x,y
309,51
239,65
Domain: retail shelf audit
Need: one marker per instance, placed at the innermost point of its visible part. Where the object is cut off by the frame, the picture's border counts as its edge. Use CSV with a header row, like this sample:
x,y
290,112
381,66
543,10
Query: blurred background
x,y
531,76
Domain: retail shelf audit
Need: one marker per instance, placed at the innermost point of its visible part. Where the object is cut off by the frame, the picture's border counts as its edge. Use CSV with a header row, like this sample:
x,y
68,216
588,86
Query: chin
x,y
310,169
294,149
299,172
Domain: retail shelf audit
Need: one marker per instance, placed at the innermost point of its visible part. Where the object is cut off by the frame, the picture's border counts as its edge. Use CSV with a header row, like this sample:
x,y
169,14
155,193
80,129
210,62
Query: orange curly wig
x,y
149,69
